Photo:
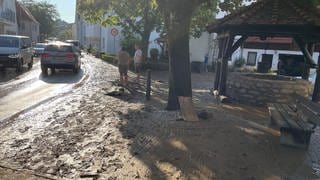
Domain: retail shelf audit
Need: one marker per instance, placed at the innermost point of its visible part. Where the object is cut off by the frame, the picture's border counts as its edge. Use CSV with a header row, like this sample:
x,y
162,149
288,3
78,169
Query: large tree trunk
x,y
145,44
178,41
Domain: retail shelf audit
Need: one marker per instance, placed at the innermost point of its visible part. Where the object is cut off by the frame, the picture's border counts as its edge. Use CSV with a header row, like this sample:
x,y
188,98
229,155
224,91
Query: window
x,y
252,58
58,48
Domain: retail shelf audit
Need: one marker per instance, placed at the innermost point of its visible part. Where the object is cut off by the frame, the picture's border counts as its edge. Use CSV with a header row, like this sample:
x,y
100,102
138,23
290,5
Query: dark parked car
x,y
59,55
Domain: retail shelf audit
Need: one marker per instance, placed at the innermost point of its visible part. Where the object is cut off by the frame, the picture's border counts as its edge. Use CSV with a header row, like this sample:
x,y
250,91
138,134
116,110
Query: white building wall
x,y
110,44
244,54
8,17
199,47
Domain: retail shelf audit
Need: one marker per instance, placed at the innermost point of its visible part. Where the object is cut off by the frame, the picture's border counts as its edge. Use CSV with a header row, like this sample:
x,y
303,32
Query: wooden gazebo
x,y
268,18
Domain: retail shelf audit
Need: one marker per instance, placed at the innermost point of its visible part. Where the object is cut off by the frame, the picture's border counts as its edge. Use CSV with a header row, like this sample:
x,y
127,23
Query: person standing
x,y
138,61
123,66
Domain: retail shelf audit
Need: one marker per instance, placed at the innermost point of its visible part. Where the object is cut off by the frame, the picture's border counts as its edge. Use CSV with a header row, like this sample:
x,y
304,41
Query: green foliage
x,y
203,15
239,62
135,17
128,43
154,53
45,13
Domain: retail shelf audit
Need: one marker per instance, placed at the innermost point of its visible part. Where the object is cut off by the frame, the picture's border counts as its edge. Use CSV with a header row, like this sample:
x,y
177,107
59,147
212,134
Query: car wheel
x,y
44,69
76,69
2,69
30,64
19,65
53,70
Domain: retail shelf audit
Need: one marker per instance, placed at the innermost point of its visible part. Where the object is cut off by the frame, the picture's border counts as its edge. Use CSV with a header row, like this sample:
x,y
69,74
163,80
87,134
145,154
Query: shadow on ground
x,y
62,77
234,144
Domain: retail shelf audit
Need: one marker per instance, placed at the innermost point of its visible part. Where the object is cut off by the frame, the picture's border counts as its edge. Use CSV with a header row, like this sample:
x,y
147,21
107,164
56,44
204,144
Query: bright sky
x,y
66,9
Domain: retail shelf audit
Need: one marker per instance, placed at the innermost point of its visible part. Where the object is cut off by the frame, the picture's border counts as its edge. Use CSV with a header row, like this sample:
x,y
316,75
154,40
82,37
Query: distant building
x,y
8,18
96,36
27,24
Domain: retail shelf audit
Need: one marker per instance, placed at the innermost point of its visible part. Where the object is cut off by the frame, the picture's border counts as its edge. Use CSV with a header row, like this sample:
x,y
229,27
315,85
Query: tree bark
x,y
179,69
316,91
145,44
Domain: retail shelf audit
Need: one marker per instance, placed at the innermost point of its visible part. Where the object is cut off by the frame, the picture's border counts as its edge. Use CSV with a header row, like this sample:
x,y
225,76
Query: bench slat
x,y
288,116
310,115
295,119
276,117
310,108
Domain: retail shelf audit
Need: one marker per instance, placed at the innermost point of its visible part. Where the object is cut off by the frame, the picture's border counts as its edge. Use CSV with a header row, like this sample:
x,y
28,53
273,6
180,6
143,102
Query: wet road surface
x,y
23,91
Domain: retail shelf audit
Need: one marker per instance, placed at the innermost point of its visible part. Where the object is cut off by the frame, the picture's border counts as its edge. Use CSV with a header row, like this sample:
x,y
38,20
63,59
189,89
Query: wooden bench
x,y
296,121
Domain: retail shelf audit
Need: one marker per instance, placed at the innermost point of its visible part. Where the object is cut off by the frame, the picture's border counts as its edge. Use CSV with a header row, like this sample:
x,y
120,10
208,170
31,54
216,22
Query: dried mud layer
x,y
87,134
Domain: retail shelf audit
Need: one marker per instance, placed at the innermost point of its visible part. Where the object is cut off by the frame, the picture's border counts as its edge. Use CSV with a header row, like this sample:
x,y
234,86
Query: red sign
x,y
114,32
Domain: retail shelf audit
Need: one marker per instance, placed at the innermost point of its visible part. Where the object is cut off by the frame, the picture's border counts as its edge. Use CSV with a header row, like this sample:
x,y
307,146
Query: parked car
x,y
59,55
76,43
15,51
38,49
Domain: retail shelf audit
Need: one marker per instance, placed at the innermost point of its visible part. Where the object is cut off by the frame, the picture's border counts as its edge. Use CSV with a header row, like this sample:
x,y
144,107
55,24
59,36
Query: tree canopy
x,y
135,17
45,13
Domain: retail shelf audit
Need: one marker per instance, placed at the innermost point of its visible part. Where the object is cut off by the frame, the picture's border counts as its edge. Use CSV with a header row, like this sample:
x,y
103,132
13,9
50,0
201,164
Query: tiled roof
x,y
270,12
23,11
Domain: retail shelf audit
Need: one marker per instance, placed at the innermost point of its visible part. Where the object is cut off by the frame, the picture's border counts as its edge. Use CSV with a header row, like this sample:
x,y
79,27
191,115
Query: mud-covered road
x,y
19,92
70,131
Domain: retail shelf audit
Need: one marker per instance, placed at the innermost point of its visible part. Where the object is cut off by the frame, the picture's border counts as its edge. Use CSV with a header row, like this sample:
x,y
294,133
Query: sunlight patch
x,y
179,145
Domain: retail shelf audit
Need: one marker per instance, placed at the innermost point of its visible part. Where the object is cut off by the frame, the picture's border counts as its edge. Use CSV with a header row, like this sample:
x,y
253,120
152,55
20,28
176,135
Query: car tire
x,y
76,69
19,66
44,70
53,70
2,69
30,64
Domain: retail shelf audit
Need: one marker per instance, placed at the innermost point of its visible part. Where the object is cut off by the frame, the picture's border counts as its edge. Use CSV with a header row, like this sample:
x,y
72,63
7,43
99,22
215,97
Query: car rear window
x,y
75,43
58,48
40,46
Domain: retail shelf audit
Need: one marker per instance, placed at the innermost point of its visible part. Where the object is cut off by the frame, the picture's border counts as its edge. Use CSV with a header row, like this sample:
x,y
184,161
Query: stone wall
x,y
255,90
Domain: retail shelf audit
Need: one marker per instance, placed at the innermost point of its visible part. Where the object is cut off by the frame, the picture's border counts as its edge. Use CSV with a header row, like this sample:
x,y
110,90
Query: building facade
x,y
27,24
8,18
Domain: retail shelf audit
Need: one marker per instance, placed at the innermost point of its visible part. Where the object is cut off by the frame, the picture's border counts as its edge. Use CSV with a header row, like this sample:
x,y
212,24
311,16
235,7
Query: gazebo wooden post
x,y
224,66
222,42
306,68
316,91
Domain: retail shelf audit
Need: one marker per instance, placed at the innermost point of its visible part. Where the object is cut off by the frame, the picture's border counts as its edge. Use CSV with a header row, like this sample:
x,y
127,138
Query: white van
x,y
15,51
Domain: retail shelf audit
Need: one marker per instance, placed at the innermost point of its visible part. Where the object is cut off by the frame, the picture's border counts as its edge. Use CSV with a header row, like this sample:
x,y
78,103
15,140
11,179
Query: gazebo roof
x,y
285,18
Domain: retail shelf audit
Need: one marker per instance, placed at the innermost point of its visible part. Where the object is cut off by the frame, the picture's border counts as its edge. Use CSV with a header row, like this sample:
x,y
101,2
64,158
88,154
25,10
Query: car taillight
x,y
45,55
69,55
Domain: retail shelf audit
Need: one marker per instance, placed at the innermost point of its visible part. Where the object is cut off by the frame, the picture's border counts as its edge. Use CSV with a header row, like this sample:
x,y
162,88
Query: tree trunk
x,y
316,91
145,44
180,74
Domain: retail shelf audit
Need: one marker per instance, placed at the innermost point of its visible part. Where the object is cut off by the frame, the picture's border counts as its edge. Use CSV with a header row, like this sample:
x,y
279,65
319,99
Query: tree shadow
x,y
235,143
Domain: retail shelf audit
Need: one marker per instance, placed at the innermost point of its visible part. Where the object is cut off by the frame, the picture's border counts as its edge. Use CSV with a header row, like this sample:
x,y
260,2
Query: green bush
x,y
239,62
128,44
154,53
109,58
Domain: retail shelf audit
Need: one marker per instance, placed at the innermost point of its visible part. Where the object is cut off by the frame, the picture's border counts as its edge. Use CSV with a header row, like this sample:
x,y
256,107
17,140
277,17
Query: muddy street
x,y
84,133
31,87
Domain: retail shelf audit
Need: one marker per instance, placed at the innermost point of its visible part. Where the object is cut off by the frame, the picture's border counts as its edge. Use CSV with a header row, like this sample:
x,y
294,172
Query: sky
x,y
66,9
